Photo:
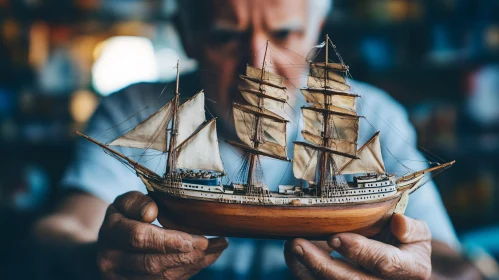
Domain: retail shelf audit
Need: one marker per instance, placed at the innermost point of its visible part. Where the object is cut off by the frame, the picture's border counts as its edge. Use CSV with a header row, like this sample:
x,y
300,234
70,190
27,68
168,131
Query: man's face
x,y
235,35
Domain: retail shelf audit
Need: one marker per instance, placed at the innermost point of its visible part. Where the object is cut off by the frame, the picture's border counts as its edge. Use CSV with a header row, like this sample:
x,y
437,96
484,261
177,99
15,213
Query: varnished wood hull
x,y
269,221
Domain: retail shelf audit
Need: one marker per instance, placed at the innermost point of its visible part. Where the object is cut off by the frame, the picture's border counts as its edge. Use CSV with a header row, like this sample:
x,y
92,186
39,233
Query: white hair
x,y
320,8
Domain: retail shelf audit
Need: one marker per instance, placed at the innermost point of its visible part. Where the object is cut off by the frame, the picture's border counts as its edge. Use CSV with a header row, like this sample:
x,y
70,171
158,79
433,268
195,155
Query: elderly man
x,y
225,35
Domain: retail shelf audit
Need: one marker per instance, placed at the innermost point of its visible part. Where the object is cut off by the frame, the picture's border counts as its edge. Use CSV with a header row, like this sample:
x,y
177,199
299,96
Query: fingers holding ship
x,y
408,258
130,247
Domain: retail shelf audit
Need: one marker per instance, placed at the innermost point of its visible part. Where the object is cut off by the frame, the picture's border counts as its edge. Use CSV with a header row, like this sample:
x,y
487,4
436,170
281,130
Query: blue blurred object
x,y
483,102
377,53
6,102
35,192
485,238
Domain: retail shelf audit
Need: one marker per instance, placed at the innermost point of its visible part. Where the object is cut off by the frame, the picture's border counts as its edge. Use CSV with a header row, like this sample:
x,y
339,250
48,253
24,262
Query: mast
x,y
256,137
331,125
170,162
325,114
261,131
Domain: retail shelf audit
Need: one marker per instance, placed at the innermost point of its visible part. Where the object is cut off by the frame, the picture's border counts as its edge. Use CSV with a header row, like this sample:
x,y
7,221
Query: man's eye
x,y
223,37
281,34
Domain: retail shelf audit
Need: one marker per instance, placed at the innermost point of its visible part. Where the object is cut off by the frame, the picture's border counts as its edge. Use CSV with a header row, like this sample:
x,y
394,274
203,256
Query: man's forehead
x,y
272,13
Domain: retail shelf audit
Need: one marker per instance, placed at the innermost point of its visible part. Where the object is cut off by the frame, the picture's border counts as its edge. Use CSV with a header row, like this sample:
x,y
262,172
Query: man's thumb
x,y
137,206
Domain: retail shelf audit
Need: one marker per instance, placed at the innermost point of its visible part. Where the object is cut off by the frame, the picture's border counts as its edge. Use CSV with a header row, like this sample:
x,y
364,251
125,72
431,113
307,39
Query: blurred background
x,y
439,58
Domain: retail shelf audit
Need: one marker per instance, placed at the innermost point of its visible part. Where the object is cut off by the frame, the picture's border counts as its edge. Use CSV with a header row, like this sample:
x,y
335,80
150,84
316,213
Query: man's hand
x,y
130,247
367,258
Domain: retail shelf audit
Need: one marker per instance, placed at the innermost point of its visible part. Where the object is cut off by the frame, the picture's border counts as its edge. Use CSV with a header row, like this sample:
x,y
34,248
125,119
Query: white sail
x,y
271,78
305,162
150,133
272,129
371,159
314,82
340,126
191,115
201,150
316,97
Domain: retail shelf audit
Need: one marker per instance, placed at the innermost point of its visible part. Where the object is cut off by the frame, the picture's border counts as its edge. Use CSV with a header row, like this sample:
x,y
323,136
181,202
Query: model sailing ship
x,y
192,198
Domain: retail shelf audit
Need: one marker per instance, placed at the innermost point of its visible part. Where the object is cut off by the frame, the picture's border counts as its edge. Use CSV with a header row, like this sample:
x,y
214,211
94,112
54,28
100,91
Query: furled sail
x,y
305,162
344,127
270,90
317,98
150,133
331,123
256,74
371,159
200,150
318,72
272,129
191,115
330,66
333,143
252,96
314,82
268,87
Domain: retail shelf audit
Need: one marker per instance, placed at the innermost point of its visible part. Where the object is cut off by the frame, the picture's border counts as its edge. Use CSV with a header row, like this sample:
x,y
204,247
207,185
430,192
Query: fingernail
x,y
298,250
336,242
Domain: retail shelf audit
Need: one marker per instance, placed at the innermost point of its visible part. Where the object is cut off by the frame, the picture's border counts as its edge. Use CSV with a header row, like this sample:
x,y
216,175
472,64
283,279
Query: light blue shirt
x,y
99,174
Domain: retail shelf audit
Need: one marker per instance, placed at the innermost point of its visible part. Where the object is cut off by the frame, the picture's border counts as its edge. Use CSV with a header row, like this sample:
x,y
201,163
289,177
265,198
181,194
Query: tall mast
x,y
256,136
170,163
323,161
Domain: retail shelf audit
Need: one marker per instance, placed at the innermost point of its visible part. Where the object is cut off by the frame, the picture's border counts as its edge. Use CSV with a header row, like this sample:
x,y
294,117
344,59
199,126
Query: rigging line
x,y
162,129
389,151
432,176
238,159
283,56
157,166
141,154
285,171
119,124
427,161
336,51
300,97
255,54
394,128
209,112
400,134
135,114
295,53
152,158
291,118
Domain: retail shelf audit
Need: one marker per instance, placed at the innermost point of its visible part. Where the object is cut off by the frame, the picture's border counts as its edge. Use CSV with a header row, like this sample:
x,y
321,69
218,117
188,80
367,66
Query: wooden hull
x,y
268,221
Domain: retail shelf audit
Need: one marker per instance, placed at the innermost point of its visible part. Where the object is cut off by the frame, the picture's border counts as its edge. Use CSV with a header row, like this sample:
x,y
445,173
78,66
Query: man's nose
x,y
257,50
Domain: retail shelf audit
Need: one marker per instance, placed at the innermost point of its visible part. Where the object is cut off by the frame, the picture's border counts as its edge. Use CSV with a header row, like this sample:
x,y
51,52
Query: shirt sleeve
x,y
400,154
94,171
